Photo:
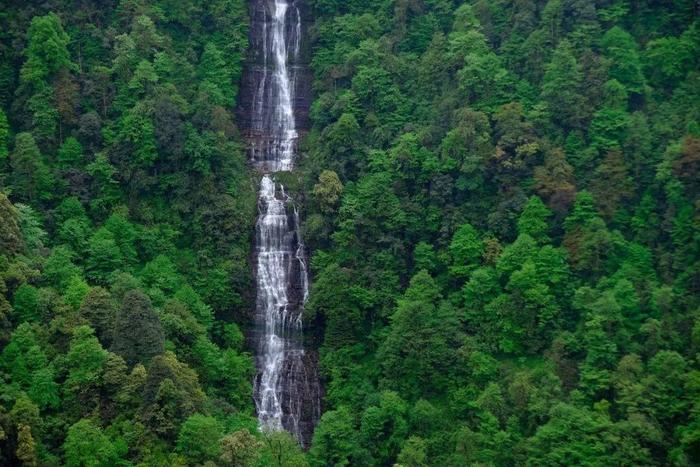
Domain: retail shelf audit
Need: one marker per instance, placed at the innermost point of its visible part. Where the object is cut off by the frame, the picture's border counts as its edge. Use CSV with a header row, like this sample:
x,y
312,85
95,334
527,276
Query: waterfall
x,y
275,239
273,119
286,390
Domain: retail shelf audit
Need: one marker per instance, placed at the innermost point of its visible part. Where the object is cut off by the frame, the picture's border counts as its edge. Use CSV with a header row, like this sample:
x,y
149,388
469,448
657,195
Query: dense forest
x,y
500,199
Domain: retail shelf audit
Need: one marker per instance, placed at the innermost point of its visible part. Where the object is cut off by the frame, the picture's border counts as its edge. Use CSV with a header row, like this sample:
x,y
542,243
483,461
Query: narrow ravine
x,y
286,389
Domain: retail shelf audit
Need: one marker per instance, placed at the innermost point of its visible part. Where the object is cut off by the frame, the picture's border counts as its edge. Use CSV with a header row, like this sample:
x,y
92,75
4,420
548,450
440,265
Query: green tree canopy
x,y
138,333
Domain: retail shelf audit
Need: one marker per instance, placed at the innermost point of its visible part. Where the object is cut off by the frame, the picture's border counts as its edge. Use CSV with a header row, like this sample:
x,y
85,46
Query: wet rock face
x,y
302,406
273,112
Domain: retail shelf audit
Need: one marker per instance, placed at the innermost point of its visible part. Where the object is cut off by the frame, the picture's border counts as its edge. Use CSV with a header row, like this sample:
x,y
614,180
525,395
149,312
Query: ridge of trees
x,y
509,274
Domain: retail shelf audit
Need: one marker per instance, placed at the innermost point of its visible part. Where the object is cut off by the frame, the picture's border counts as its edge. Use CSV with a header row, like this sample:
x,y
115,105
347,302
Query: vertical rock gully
x,y
273,111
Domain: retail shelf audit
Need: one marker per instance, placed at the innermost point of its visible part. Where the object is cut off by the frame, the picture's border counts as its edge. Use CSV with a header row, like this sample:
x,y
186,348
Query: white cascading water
x,y
283,385
274,119
282,322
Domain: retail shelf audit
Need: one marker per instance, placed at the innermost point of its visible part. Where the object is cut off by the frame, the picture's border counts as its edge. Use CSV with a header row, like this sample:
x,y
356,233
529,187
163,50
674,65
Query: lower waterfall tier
x,y
287,394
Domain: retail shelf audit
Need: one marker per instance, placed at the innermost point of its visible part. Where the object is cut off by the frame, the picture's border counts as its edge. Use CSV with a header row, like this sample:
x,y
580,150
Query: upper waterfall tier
x,y
275,90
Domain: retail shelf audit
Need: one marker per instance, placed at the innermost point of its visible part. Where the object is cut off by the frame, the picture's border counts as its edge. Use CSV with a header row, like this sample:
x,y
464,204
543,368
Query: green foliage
x,y
669,59
200,310
384,427
84,361
75,292
413,453
104,256
60,268
620,47
125,220
26,446
4,135
70,154
499,256
336,440
46,54
561,86
216,77
415,355
343,314
11,240
30,177
86,444
27,363
280,449
171,394
199,438
26,303
328,190
240,448
500,200
533,220
585,442
138,333
30,223
466,250
47,50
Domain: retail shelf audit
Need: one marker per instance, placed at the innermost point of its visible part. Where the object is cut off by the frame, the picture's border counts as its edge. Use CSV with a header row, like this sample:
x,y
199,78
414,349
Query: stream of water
x,y
286,387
